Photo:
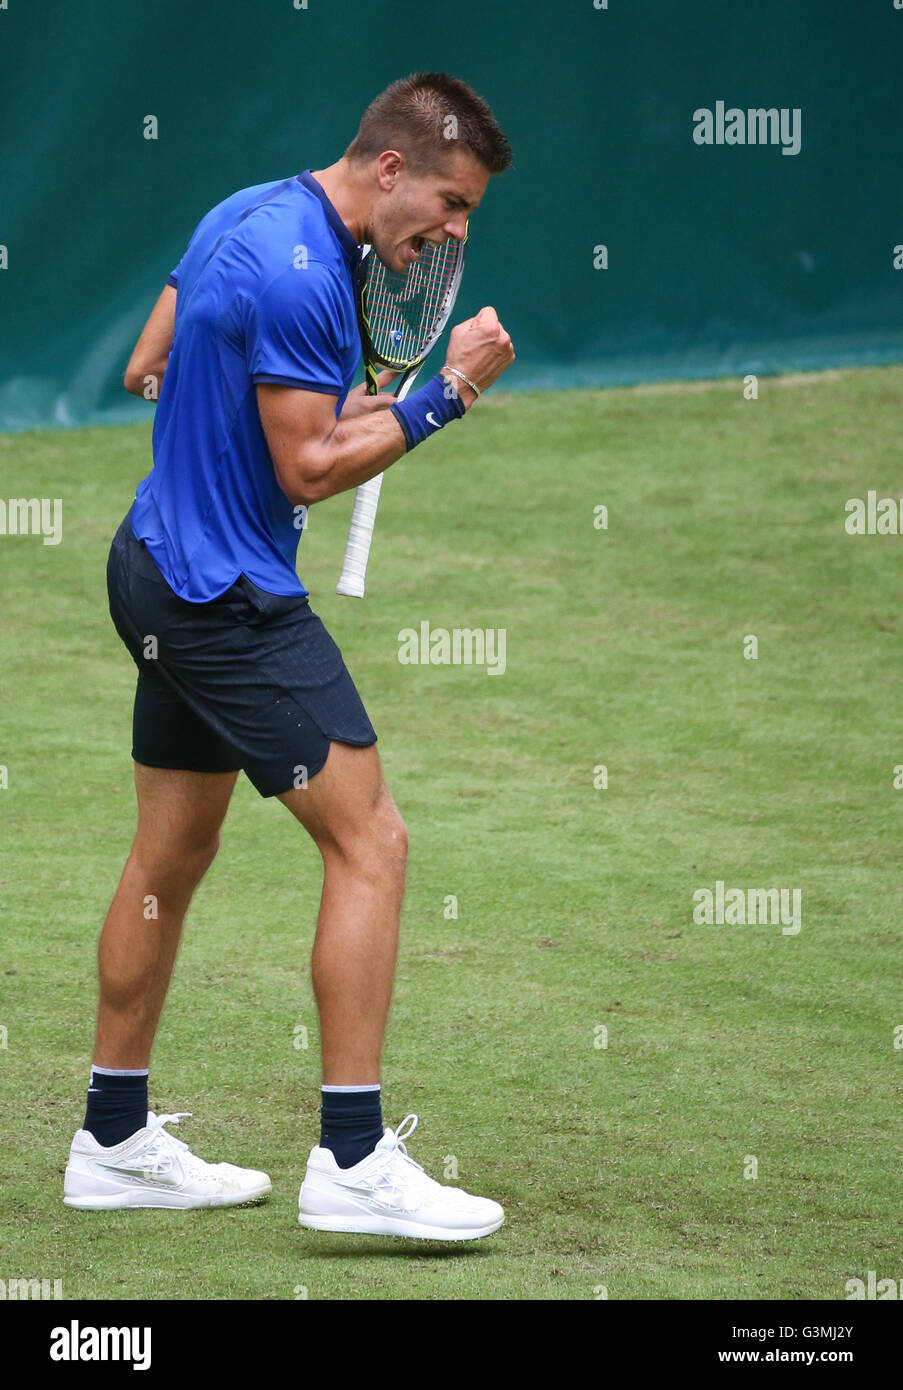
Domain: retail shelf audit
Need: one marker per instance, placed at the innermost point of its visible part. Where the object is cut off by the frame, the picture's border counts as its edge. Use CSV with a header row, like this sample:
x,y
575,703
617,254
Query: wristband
x,y
427,410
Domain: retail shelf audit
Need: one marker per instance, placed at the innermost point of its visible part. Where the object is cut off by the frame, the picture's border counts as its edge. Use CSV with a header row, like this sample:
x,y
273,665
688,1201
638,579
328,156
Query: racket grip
x,y
363,516
360,536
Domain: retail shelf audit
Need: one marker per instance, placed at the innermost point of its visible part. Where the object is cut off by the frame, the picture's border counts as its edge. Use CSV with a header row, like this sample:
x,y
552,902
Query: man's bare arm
x,y
151,352
315,456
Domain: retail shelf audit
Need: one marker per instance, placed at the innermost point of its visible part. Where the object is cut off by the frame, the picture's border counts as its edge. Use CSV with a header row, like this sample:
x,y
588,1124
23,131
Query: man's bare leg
x,y
350,814
179,819
355,823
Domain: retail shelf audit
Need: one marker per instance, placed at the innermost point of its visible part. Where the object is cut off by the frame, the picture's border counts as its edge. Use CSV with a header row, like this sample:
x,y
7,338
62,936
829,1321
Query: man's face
x,y
432,208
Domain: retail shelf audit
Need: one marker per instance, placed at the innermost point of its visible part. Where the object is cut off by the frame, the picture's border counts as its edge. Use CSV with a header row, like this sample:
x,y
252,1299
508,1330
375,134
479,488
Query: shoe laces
x,y
398,1171
163,1143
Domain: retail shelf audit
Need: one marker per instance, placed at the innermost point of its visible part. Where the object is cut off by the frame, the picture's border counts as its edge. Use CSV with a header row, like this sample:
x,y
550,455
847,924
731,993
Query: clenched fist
x,y
481,349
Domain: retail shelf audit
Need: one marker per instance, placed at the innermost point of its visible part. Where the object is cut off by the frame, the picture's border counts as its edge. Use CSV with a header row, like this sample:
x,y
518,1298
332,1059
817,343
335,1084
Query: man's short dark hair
x,y
426,117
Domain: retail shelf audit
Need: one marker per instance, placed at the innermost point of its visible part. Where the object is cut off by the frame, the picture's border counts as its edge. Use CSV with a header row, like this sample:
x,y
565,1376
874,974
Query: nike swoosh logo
x,y
369,1202
366,1197
431,419
172,1174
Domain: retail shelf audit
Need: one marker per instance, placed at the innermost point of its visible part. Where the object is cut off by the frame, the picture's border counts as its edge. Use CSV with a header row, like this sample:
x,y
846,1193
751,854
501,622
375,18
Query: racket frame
x,y
352,583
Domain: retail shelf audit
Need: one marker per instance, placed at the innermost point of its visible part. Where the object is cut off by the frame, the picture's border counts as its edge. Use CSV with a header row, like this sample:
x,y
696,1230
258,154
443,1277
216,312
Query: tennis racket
x,y
401,315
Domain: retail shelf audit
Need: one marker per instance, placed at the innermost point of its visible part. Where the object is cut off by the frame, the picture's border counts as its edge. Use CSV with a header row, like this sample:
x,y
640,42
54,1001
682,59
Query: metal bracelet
x,y
472,384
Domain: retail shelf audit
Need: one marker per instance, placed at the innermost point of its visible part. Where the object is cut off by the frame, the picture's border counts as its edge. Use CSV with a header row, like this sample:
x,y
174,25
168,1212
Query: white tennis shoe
x,y
388,1194
154,1169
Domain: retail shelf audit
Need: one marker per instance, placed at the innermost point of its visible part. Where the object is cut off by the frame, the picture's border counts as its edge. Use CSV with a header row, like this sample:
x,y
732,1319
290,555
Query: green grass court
x,y
622,1166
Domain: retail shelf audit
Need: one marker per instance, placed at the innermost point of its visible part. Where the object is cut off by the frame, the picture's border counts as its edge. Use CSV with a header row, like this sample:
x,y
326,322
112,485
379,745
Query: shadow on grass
x,y
403,1247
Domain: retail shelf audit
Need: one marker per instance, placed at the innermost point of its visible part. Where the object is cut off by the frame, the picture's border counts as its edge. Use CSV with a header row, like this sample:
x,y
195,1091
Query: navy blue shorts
x,y
250,681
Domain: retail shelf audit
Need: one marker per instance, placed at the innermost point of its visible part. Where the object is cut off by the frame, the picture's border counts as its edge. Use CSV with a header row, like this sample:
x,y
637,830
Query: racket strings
x,y
403,309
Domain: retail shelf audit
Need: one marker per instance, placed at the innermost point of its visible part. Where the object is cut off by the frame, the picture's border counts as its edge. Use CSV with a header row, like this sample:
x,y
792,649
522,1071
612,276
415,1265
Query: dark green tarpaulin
x,y
722,258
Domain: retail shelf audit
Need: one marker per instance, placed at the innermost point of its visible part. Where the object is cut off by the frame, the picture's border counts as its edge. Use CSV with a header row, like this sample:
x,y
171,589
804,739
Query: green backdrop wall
x,y
721,259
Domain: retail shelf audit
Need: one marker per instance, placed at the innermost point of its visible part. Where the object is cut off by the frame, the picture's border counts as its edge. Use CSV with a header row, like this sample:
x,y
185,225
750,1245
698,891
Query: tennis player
x,y
255,341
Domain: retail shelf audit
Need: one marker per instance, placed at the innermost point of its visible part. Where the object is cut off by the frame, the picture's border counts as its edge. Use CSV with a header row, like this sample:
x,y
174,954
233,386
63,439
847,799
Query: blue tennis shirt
x,y
265,294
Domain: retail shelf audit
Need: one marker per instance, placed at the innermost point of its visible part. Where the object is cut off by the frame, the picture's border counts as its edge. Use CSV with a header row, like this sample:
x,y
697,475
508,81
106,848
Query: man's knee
x,y
205,851
197,855
182,857
377,843
349,812
392,832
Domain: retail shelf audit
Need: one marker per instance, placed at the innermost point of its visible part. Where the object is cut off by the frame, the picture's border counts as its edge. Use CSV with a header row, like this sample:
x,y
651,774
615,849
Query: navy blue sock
x,y
351,1122
117,1105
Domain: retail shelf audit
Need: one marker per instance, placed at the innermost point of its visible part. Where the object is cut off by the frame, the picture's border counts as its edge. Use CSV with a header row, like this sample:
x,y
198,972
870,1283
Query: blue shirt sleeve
x,y
173,277
295,330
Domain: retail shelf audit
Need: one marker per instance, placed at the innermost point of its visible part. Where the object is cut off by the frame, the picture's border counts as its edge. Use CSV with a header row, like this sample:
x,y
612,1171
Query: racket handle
x,y
360,536
363,519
